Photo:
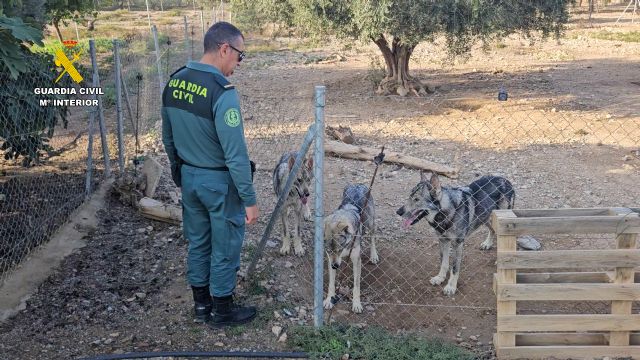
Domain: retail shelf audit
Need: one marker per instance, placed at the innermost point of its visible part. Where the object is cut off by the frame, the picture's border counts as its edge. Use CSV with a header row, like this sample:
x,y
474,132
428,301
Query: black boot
x,y
227,313
203,303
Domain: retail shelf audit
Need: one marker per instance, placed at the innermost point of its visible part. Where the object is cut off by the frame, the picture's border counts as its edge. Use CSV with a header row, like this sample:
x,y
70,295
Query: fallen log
x,y
157,210
339,149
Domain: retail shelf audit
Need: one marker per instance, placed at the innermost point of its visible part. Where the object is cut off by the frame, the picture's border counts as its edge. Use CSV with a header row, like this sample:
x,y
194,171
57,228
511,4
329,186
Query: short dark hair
x,y
219,33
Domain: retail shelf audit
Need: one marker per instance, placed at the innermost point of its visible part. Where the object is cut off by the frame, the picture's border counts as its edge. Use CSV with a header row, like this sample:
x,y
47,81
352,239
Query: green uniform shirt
x,y
202,124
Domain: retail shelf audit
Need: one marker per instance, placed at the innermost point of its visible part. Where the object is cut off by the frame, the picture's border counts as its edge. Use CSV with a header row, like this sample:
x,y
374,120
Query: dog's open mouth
x,y
415,216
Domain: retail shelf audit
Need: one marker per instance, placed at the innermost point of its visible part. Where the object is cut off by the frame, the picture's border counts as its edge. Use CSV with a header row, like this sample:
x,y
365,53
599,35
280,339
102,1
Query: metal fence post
x,y
103,129
318,165
202,23
148,14
116,56
129,108
155,41
186,39
87,184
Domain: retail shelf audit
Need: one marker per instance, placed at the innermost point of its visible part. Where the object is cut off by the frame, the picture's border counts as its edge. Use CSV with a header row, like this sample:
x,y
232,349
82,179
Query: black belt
x,y
219,168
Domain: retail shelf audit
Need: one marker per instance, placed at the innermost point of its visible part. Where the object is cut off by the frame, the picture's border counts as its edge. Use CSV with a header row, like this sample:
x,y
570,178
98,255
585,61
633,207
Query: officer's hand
x,y
252,214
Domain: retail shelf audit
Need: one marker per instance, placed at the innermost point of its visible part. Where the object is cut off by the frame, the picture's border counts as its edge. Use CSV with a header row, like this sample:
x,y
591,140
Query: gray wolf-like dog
x,y
455,213
343,231
296,205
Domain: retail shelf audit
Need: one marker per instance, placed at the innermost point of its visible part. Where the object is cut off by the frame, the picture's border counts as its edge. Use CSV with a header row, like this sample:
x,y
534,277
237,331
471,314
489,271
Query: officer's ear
x,y
292,160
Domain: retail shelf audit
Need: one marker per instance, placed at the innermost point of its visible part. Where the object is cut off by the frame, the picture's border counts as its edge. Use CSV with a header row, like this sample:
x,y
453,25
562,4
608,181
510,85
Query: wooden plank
x,y
551,339
505,277
555,338
620,211
562,212
629,223
567,352
554,259
563,277
575,292
623,275
581,323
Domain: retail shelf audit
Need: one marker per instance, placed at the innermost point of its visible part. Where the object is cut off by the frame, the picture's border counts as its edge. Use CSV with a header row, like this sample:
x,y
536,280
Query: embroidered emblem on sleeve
x,y
232,117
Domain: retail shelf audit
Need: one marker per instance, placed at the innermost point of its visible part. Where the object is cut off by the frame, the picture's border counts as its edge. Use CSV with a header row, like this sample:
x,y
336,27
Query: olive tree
x,y
398,26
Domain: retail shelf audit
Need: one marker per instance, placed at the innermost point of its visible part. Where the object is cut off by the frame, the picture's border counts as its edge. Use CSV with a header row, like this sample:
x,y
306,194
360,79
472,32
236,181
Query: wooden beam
x,y
629,223
347,151
566,352
562,212
554,259
581,323
576,292
551,339
623,275
506,243
563,278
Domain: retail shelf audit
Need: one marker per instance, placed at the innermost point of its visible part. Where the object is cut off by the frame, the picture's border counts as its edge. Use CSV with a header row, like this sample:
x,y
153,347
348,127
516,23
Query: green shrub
x,y
332,342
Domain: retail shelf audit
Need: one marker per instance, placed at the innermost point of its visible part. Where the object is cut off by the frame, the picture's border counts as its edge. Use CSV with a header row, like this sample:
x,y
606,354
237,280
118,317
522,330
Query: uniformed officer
x,y
202,131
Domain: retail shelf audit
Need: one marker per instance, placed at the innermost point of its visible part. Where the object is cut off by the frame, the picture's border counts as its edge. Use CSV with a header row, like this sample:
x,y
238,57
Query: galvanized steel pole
x,y
318,166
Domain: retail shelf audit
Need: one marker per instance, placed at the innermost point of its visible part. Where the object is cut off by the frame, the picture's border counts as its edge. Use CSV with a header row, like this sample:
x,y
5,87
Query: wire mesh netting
x,y
43,173
540,149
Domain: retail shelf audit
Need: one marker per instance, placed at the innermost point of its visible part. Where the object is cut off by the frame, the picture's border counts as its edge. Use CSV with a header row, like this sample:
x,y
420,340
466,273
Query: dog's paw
x,y
374,258
299,250
436,280
328,304
486,246
285,250
449,290
356,307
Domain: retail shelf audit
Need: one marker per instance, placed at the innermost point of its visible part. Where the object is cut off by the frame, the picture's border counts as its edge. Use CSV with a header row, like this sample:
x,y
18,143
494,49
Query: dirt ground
x,y
568,136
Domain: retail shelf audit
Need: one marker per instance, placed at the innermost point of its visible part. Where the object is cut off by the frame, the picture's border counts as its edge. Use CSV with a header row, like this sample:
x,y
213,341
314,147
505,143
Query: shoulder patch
x,y
232,117
177,71
222,81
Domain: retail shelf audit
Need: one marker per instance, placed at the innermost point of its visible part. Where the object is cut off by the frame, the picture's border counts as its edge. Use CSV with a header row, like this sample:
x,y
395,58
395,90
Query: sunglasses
x,y
241,54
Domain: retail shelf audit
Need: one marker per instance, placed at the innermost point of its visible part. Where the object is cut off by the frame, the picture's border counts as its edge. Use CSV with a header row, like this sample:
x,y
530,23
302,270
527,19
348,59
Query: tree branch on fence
x,y
342,150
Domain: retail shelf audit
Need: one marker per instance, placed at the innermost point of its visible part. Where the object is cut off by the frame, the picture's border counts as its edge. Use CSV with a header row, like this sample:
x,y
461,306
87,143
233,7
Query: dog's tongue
x,y
407,222
304,200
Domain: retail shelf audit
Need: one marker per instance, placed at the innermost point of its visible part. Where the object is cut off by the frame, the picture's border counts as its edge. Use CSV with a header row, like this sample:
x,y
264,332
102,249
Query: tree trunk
x,y
397,80
56,25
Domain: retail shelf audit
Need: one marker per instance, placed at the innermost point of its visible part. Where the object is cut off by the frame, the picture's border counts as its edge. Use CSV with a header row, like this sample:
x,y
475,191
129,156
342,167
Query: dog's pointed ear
x,y
425,175
310,163
344,227
435,186
292,160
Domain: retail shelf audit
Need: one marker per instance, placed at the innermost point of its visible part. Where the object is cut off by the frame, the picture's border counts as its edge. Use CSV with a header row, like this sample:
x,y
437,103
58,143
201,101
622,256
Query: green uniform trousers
x,y
214,223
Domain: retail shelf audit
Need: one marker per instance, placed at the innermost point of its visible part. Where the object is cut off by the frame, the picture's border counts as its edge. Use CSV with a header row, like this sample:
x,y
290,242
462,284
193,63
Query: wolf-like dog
x,y
456,212
343,231
296,205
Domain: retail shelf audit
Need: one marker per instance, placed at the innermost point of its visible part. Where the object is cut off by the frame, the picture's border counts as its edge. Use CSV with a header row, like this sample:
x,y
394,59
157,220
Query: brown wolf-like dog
x,y
296,205
455,213
343,231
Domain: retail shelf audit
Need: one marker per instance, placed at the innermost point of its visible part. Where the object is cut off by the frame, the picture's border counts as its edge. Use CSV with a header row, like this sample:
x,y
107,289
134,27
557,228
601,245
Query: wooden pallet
x,y
540,336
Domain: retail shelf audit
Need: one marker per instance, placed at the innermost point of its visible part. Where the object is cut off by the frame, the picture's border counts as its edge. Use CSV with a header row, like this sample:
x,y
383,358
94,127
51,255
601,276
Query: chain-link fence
x,y
538,156
43,173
